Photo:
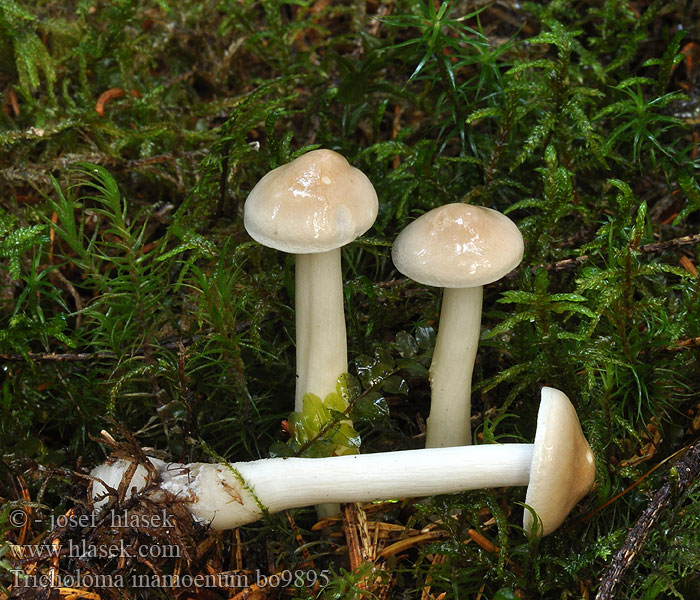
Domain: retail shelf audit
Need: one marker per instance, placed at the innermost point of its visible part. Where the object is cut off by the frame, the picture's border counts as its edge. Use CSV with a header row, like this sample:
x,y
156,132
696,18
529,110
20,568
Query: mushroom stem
x,y
369,477
449,423
320,322
228,496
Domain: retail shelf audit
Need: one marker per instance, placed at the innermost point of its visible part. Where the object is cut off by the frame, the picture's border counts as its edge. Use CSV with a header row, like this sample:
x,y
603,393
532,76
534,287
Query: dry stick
x,y
352,537
40,174
688,468
682,344
570,263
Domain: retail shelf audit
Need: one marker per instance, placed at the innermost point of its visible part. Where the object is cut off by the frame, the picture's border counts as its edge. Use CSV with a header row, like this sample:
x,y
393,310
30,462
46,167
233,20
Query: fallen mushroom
x,y
558,469
460,248
312,207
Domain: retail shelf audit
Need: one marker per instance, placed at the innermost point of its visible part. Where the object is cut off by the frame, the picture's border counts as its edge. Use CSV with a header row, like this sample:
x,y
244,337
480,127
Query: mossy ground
x,y
132,299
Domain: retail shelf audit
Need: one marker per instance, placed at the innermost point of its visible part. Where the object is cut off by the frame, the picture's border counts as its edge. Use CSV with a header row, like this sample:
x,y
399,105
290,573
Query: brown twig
x,y
56,357
57,276
40,174
411,541
352,537
687,469
570,263
683,344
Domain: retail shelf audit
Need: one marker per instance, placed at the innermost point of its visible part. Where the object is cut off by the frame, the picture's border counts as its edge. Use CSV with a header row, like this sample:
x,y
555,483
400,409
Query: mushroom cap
x,y
562,469
316,203
458,246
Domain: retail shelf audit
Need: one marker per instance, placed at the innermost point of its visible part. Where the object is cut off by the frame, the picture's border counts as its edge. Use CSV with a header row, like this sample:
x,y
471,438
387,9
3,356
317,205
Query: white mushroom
x,y
311,207
562,469
460,248
558,467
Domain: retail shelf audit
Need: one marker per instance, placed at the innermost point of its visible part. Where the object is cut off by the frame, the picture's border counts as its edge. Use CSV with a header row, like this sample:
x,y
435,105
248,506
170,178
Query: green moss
x,y
322,428
129,289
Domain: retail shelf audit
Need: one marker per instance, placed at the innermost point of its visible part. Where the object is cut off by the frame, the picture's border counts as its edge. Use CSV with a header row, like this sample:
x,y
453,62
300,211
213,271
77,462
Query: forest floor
x,y
133,302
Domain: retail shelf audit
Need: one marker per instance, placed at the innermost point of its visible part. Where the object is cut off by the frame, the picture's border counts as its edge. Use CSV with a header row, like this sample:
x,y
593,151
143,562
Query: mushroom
x,y
558,469
311,207
562,469
460,248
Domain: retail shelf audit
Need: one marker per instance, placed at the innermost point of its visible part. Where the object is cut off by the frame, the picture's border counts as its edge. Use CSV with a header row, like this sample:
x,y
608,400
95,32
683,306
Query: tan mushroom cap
x,y
562,469
316,203
458,246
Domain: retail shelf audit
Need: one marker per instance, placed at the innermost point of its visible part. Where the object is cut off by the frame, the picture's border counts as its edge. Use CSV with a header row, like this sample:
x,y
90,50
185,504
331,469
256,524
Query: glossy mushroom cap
x,y
562,469
316,203
458,246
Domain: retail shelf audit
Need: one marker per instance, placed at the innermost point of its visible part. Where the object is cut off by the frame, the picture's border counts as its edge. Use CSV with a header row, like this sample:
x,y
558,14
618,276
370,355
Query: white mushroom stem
x,y
558,468
227,496
322,354
449,423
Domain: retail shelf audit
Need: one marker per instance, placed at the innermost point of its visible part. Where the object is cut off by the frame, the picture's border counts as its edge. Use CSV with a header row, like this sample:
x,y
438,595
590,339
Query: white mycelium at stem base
x,y
312,207
558,467
460,248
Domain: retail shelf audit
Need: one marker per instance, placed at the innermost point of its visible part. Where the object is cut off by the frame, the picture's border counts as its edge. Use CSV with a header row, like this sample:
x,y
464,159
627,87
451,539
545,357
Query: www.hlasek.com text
x,y
83,549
